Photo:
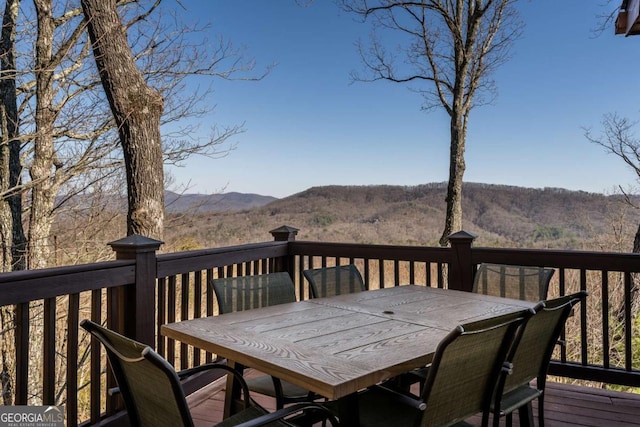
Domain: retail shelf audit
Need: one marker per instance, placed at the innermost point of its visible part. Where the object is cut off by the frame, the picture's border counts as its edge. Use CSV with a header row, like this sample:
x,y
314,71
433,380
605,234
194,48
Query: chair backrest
x,y
467,367
330,281
149,385
513,281
540,335
249,292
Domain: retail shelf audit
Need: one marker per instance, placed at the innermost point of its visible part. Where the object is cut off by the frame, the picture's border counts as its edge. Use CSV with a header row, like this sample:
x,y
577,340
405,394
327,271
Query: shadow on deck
x,y
565,405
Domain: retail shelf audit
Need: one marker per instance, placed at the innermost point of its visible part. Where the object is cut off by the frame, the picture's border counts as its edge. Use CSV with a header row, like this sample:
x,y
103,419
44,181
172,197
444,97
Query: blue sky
x,y
308,125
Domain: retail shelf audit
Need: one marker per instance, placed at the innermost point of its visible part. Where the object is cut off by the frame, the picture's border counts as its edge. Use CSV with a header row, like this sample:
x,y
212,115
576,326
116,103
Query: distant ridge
x,y
501,215
198,203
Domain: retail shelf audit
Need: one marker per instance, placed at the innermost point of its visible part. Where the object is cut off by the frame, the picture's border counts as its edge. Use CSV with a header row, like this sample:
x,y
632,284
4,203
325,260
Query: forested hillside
x,y
499,215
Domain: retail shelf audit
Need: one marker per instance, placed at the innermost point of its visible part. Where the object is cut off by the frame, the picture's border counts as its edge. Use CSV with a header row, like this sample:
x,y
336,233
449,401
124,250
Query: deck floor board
x,y
565,405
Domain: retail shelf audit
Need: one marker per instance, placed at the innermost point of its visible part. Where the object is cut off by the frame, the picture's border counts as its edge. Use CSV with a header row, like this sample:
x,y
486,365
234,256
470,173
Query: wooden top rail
x,y
352,250
588,260
185,262
25,286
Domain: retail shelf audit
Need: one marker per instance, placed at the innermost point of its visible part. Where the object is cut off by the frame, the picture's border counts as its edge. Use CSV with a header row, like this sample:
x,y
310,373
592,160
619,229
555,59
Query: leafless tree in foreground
x,y
11,230
447,52
137,109
619,138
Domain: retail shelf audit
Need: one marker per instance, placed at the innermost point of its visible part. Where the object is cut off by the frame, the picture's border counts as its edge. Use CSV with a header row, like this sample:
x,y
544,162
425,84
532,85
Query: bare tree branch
x,y
447,52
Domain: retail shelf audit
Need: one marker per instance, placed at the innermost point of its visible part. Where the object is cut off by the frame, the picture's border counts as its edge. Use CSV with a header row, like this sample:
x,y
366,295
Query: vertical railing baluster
x,y
584,353
113,402
604,302
562,292
49,352
161,314
96,359
300,276
197,308
209,302
412,272
628,331
367,273
22,353
184,315
171,317
396,272
73,320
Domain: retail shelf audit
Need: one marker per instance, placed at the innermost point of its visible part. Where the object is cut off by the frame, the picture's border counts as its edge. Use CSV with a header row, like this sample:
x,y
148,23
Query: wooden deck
x,y
565,405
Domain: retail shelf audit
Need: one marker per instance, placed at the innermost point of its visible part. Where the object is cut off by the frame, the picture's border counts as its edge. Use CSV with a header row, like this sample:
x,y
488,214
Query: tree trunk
x,y
137,109
9,125
457,166
10,227
42,169
635,278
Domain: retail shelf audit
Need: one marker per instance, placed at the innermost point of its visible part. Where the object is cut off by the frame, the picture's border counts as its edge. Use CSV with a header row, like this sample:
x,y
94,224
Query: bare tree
x,y
448,51
137,109
45,170
607,18
11,230
66,142
619,138
138,121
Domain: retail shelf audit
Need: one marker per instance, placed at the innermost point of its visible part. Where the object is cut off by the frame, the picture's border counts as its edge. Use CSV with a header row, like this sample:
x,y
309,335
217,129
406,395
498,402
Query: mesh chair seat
x,y
518,397
513,281
331,281
256,291
386,411
264,385
248,415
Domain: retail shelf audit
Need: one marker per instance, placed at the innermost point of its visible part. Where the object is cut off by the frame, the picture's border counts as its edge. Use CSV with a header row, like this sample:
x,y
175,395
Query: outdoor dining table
x,y
338,345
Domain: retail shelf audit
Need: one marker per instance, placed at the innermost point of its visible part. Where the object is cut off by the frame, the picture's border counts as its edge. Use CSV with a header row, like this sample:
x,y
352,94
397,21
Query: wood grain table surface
x,y
339,345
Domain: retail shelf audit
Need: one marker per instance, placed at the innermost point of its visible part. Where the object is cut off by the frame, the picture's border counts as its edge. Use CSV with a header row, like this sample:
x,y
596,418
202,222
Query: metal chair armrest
x,y
290,410
406,399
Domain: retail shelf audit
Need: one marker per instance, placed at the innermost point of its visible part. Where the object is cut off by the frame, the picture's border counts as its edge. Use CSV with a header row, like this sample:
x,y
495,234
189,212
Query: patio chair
x,y
330,281
263,290
513,281
255,291
532,358
153,394
466,368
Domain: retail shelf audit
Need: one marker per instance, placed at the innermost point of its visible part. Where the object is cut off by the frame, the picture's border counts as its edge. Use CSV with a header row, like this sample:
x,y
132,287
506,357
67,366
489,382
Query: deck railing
x,y
52,361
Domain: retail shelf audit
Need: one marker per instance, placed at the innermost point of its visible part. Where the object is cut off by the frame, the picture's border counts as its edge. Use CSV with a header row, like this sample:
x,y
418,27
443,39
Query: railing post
x,y
284,233
136,303
461,268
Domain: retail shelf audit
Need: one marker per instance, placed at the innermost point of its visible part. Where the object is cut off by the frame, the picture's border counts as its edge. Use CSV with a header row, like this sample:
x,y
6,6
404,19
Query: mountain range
x,y
384,214
233,201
